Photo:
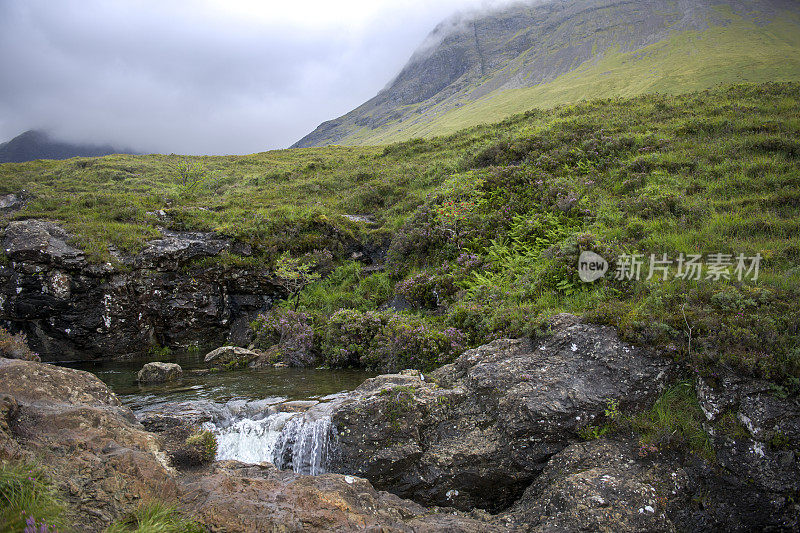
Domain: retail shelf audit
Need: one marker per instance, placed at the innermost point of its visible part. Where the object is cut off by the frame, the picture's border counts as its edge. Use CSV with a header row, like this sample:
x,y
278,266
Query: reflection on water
x,y
201,384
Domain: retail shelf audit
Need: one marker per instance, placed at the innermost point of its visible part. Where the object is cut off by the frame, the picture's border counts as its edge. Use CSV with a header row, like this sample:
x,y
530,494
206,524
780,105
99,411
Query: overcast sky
x,y
200,76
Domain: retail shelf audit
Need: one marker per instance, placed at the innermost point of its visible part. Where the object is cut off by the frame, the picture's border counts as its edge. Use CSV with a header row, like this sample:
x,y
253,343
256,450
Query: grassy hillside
x,y
484,227
734,50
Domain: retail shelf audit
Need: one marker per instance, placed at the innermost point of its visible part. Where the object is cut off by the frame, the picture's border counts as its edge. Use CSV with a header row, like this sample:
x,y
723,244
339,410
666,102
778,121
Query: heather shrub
x,y
15,346
408,342
388,342
288,334
348,336
428,289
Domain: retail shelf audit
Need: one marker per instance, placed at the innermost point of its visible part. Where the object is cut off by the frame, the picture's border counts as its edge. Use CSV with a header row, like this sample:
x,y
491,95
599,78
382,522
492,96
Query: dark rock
x,y
757,475
598,486
230,357
159,373
482,432
72,309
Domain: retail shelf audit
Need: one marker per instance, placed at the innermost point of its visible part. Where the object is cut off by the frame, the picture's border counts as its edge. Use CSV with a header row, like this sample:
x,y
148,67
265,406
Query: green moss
x,y
400,402
204,443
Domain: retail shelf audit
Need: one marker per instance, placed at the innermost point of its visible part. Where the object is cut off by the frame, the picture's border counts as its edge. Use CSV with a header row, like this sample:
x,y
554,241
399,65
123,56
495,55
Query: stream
x,y
276,415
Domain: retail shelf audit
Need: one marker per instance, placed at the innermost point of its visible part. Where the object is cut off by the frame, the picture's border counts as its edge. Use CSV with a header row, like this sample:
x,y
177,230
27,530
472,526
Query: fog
x,y
201,76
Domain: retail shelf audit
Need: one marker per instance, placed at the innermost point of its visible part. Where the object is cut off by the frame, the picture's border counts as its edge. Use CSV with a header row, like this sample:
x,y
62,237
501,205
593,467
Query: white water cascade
x,y
250,433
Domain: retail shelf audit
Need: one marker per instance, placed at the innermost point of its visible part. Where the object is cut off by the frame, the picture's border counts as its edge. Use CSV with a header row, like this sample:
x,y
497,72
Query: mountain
x,y
35,144
484,66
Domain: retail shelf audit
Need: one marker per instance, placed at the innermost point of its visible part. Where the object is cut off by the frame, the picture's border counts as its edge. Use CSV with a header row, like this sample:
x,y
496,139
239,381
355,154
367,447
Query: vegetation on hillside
x,y
484,228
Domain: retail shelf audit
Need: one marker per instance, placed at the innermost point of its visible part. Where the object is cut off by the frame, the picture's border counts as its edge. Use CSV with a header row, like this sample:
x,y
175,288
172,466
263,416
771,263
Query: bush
x,y
388,342
427,290
203,445
411,343
288,334
16,346
28,499
349,336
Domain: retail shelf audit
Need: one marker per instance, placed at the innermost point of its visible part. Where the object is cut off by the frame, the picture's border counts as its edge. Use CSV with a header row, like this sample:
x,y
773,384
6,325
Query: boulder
x,y
236,497
67,420
230,357
159,373
477,432
598,486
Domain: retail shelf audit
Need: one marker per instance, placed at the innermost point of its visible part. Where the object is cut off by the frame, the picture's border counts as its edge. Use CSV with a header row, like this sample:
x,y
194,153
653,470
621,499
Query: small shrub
x,y
202,444
349,336
388,342
287,332
408,343
16,346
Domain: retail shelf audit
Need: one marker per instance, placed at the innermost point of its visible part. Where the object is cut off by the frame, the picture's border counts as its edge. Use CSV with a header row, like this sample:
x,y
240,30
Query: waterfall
x,y
250,441
304,445
257,433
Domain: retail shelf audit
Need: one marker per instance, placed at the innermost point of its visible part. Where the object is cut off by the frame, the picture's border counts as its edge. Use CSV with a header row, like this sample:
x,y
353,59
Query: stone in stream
x,y
230,357
159,373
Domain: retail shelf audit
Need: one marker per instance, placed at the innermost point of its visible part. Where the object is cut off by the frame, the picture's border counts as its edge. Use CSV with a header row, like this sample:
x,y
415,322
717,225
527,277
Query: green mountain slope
x,y
483,68
482,229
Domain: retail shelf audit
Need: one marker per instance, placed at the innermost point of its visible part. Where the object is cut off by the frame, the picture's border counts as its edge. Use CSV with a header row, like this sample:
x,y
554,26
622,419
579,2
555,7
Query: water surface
x,y
219,387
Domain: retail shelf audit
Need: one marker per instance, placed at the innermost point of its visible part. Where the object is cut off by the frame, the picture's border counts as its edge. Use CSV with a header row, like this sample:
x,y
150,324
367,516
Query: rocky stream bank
x,y
495,441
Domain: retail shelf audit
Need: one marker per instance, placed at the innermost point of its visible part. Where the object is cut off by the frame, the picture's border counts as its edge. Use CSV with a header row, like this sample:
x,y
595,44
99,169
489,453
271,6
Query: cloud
x,y
200,76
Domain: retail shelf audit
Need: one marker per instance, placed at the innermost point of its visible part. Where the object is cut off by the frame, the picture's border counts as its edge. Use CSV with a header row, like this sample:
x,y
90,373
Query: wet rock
x,y
477,432
298,406
248,498
13,202
230,357
40,241
68,421
159,373
166,295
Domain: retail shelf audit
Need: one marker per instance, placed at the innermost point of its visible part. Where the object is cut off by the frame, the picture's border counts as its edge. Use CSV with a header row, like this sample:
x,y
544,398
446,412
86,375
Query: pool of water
x,y
198,384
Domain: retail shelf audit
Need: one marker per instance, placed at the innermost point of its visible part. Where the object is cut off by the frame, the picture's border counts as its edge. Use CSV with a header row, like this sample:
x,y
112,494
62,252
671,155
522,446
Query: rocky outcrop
x,y
249,498
477,432
599,486
70,423
230,357
166,295
105,464
756,437
159,373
